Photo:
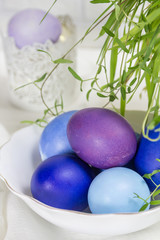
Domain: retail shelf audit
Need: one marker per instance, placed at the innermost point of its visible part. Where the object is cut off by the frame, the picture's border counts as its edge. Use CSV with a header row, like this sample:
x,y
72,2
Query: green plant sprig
x,y
128,39
43,121
63,60
153,194
48,10
33,82
93,26
139,34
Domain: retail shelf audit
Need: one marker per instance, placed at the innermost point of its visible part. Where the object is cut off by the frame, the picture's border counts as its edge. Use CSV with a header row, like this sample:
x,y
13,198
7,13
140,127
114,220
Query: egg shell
x,y
145,159
130,164
53,140
62,181
112,191
101,137
26,29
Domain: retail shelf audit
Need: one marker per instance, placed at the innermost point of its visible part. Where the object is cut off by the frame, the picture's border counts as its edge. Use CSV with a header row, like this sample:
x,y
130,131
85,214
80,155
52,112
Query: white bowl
x,y
18,160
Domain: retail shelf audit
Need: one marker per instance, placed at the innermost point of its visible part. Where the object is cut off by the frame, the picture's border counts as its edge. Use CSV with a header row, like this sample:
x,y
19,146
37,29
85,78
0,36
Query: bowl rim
x,y
22,195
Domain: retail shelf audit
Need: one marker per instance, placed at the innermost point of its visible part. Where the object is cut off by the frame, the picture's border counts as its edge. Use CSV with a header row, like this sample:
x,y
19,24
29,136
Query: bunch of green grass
x,y
137,46
131,32
138,49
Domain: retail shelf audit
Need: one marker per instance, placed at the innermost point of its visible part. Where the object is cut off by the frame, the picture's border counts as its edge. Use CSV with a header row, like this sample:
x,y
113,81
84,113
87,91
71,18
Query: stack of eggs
x,y
85,154
27,33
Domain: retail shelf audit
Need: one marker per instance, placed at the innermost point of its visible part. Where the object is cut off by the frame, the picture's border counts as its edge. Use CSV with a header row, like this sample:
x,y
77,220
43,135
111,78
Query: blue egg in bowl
x,y
62,181
20,158
113,191
147,157
53,140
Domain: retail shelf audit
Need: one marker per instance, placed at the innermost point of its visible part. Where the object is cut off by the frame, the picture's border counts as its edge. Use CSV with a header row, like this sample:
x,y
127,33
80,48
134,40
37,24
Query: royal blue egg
x,y
26,29
62,181
113,191
53,140
146,157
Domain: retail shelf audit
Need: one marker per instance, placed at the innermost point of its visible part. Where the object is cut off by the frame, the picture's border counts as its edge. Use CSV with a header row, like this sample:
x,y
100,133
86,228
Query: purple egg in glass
x,y
26,29
101,137
62,181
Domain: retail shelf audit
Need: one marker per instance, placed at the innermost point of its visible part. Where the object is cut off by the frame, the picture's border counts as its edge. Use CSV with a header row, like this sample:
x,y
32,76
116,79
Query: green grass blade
x,y
48,11
99,1
113,63
74,74
121,45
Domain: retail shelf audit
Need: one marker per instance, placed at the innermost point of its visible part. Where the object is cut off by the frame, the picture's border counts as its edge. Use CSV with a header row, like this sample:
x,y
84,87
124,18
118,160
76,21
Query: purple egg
x,y
101,137
26,29
62,181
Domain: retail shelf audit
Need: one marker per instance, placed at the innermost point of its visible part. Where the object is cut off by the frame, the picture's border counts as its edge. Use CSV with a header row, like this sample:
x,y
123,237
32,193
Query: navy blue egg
x,y
145,159
62,181
53,140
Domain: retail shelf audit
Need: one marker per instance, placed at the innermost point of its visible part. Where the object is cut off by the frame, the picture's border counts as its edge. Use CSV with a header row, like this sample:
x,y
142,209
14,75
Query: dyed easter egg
x,y
53,140
101,137
62,181
113,191
146,157
26,29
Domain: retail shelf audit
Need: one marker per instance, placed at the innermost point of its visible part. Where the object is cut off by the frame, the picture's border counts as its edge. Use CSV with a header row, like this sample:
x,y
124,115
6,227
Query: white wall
x,y
82,12
80,9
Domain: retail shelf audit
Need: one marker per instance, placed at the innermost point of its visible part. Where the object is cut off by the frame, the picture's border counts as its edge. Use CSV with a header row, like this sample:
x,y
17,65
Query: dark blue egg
x,y
145,159
54,139
62,181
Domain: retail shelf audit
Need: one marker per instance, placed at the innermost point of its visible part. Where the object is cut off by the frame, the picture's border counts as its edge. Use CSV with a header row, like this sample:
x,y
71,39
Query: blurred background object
x,y
25,64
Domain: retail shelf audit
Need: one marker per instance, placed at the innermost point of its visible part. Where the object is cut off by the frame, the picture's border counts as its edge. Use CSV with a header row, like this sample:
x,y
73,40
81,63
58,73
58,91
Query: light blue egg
x,y
53,140
113,191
